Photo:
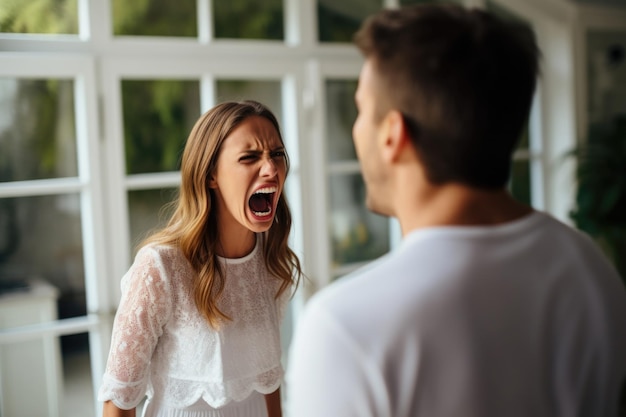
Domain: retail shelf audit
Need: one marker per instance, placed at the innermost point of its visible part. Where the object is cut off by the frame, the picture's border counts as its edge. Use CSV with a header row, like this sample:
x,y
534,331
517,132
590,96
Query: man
x,y
488,308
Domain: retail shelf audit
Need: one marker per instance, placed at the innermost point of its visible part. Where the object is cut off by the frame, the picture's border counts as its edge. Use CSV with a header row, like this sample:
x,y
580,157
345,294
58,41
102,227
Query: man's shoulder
x,y
356,283
375,296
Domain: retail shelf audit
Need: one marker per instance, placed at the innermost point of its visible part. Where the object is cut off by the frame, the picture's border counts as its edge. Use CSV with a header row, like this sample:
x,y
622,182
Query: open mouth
x,y
261,202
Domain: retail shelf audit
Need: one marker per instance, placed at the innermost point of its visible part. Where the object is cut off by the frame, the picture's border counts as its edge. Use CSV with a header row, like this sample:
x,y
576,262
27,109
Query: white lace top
x,y
161,345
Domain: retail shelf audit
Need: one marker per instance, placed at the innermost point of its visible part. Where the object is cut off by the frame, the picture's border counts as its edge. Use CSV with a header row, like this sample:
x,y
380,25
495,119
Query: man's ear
x,y
396,136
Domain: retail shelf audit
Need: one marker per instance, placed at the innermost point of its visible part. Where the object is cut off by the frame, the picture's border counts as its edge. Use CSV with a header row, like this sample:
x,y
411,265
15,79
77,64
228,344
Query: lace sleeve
x,y
144,309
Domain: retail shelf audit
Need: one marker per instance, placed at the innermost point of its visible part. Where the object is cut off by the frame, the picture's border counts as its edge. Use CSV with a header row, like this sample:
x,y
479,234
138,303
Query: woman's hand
x,y
272,401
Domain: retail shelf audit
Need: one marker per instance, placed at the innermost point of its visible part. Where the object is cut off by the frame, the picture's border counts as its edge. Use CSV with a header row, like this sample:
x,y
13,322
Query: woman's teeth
x,y
261,201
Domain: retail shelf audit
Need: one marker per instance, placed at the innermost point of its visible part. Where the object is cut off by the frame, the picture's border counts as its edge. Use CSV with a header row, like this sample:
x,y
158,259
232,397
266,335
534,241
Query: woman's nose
x,y
268,169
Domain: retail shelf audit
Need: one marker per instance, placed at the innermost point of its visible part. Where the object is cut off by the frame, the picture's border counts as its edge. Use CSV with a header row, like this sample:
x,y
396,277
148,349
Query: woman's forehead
x,y
255,132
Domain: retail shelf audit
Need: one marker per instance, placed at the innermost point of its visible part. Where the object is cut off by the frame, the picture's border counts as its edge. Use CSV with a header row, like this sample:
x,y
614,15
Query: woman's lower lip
x,y
262,218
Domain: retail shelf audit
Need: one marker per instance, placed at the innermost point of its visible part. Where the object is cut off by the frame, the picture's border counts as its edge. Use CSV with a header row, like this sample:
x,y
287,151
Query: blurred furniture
x,y
30,370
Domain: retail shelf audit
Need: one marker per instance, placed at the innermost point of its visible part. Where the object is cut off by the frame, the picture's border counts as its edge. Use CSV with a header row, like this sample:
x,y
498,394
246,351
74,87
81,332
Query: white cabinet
x,y
30,371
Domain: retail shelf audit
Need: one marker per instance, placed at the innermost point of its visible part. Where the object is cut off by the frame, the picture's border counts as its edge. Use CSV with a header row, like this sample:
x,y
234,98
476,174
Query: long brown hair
x,y
193,225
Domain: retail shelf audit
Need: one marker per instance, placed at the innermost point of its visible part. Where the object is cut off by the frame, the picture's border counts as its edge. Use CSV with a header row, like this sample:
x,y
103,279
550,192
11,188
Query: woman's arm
x,y
272,401
111,410
144,309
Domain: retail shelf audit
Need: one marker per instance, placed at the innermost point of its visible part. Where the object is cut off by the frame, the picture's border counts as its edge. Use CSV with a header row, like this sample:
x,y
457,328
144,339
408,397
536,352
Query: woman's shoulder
x,y
158,251
157,266
165,257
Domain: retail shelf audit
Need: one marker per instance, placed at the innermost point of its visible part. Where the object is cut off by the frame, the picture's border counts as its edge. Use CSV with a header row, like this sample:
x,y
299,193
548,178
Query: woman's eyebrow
x,y
260,151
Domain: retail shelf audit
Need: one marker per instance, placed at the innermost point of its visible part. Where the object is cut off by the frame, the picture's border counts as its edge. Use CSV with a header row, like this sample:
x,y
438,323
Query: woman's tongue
x,y
259,203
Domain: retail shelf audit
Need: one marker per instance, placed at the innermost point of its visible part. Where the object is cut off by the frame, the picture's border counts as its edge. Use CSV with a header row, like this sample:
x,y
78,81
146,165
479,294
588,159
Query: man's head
x,y
462,82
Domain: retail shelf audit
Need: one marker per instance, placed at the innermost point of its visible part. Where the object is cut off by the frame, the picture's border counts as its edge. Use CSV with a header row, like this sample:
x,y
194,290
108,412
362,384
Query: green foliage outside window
x,y
237,19
249,19
520,182
520,185
334,27
412,2
155,18
601,194
338,21
39,16
32,145
158,116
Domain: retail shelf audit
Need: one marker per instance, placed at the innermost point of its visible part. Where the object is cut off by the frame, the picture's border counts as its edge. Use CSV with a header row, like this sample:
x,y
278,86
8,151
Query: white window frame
x,y
87,184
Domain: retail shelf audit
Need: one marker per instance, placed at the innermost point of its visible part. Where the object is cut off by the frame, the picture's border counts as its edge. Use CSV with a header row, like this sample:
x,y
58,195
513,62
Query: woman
x,y
197,329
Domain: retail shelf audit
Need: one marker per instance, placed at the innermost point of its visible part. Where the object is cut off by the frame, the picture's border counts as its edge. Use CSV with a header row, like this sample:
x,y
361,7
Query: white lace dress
x,y
161,346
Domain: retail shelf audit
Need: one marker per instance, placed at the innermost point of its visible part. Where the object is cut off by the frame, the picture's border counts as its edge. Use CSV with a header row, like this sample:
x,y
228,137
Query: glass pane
x,y
266,92
338,20
31,377
520,181
606,76
248,19
340,115
78,399
37,129
148,210
46,376
155,18
158,116
40,17
411,2
504,12
41,255
525,139
357,234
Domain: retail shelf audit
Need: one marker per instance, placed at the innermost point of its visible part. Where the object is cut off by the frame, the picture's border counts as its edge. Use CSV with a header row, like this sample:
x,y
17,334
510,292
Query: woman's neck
x,y
235,242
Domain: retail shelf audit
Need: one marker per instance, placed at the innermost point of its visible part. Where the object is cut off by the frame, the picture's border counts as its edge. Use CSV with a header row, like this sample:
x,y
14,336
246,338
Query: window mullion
x,y
205,20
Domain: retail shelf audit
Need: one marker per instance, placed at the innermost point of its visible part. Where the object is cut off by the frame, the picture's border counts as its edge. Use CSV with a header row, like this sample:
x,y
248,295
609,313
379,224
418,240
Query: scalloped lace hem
x,y
226,400
124,395
183,393
218,395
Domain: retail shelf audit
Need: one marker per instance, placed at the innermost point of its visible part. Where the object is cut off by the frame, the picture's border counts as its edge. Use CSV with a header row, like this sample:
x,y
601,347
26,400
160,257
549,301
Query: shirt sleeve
x,y
143,311
328,374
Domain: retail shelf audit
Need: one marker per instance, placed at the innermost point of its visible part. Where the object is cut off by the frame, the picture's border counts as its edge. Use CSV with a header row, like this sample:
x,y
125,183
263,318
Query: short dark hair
x,y
462,78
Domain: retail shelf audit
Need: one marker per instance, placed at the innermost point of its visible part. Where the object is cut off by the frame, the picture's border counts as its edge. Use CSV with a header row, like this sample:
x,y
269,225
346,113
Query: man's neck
x,y
457,205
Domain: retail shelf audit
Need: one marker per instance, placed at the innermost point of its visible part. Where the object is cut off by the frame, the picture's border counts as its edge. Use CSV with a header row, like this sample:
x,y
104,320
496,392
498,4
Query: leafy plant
x,y
601,194
39,16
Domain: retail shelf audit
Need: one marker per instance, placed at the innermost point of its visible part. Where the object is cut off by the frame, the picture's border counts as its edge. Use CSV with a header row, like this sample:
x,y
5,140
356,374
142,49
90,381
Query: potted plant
x,y
601,194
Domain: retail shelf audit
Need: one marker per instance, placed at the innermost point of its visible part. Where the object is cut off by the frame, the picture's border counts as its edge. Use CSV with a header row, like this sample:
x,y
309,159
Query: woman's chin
x,y
260,223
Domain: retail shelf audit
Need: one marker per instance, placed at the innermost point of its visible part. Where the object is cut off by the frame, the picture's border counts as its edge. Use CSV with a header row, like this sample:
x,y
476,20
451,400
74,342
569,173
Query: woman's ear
x,y
212,182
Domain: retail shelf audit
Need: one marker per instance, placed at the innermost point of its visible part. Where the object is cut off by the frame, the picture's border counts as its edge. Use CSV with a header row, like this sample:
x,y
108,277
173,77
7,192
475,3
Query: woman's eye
x,y
247,158
278,154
